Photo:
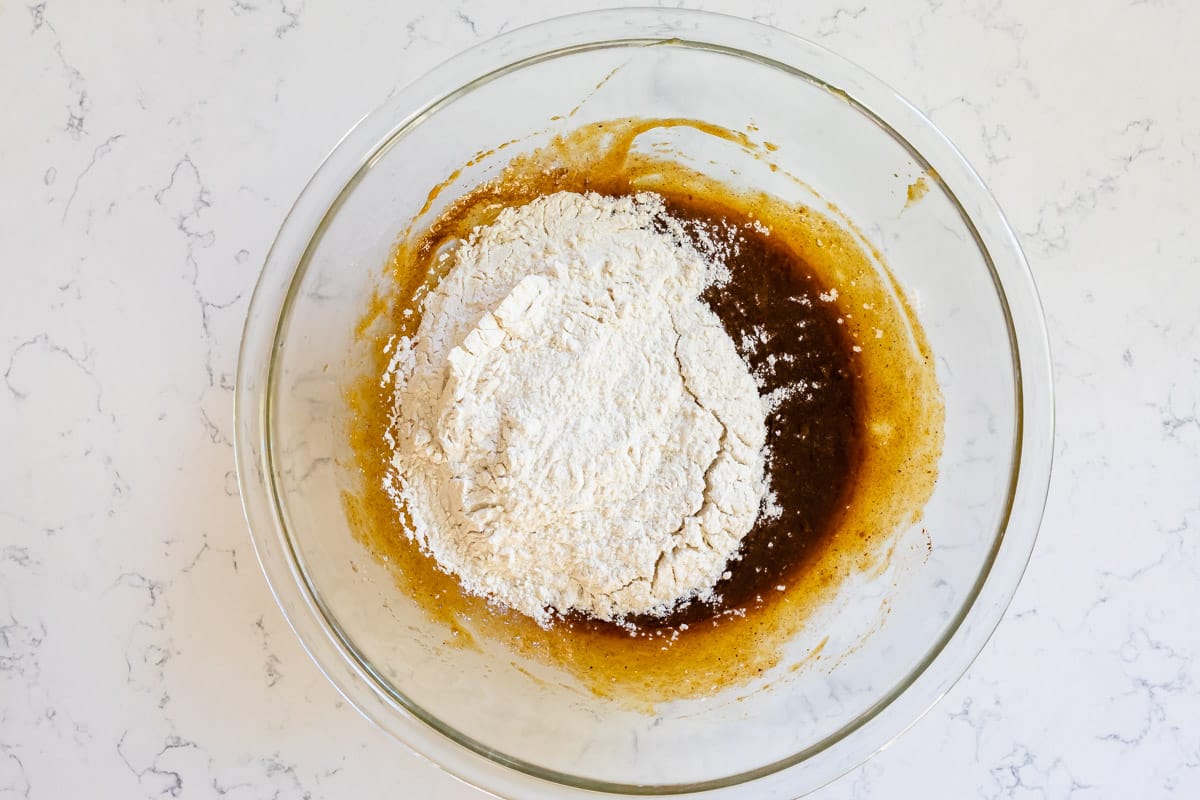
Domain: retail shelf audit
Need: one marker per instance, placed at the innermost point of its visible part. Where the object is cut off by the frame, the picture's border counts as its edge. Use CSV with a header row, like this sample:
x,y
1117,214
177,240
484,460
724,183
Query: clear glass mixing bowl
x,y
898,639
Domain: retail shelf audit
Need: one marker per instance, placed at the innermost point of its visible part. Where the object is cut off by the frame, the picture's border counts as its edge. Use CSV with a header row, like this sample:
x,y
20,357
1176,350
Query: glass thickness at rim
x,y
329,624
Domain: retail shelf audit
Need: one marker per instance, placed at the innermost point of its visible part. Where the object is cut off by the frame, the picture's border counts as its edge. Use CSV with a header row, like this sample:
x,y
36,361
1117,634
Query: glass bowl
x,y
898,637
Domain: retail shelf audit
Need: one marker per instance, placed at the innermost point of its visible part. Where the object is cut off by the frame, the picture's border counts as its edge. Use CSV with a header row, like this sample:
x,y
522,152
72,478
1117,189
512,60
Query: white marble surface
x,y
147,155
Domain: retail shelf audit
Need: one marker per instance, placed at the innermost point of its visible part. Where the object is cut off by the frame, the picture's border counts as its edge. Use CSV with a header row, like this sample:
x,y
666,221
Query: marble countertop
x,y
148,155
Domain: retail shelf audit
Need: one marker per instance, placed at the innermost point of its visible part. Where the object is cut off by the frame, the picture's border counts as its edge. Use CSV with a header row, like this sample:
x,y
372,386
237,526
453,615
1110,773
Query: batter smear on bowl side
x,y
633,422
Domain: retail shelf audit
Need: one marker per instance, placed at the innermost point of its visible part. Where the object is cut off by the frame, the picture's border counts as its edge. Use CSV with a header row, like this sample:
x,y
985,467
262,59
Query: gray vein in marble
x,y
188,205
1057,216
291,16
168,781
84,363
19,645
271,663
18,780
465,20
77,111
832,24
101,150
1020,773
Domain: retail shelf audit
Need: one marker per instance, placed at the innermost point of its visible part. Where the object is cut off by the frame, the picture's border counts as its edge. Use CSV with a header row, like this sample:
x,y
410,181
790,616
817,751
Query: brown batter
x,y
852,449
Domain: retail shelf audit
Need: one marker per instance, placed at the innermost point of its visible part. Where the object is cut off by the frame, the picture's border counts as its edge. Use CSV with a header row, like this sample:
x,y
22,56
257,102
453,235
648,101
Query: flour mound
x,y
574,430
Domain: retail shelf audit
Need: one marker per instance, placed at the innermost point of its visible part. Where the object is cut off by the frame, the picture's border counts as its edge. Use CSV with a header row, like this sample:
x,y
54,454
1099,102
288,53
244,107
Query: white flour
x,y
574,430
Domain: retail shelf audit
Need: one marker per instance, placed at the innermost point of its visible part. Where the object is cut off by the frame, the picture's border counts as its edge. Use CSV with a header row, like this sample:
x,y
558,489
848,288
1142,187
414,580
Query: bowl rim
x,y
316,627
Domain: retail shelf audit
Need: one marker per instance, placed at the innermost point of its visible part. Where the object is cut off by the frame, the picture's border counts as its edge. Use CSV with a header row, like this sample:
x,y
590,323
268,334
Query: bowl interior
x,y
882,629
